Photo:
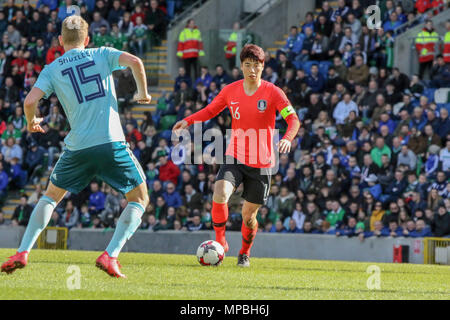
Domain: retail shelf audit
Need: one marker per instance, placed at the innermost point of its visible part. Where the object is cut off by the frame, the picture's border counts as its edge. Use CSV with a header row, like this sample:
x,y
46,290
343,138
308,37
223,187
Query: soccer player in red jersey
x,y
253,104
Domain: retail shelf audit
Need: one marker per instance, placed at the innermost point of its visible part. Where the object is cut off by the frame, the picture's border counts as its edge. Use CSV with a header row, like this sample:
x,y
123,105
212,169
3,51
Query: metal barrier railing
x,y
419,19
265,6
436,251
186,12
53,238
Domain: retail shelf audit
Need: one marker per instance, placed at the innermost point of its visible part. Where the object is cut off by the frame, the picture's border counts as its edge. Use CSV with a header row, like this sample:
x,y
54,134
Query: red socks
x,y
248,235
219,214
220,217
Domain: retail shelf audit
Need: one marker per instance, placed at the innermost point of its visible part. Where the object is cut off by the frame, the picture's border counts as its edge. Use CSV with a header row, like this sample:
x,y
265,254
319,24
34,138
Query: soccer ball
x,y
210,253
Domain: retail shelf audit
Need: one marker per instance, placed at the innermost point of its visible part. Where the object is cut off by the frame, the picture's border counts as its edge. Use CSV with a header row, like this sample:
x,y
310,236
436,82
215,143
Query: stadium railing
x,y
436,251
186,12
53,238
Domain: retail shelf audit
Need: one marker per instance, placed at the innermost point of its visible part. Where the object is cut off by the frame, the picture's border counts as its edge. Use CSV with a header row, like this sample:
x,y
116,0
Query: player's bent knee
x,y
139,195
55,193
222,191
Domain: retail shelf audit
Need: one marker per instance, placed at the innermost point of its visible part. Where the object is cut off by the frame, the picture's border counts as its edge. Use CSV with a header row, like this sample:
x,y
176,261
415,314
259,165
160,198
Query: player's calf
x,y
220,217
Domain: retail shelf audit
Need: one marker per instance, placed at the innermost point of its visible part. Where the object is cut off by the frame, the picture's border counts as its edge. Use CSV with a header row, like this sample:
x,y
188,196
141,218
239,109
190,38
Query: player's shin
x,y
248,235
39,219
220,216
129,221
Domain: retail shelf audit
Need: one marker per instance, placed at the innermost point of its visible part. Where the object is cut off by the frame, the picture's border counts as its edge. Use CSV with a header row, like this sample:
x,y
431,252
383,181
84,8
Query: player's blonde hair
x,y
74,30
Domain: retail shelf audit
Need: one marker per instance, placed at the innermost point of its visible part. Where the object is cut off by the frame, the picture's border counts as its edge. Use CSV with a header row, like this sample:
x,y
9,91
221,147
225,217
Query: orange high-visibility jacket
x,y
230,48
446,52
426,45
190,44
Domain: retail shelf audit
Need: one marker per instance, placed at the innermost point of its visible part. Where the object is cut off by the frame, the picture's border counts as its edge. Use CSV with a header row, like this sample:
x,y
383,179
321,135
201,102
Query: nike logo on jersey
x,y
232,102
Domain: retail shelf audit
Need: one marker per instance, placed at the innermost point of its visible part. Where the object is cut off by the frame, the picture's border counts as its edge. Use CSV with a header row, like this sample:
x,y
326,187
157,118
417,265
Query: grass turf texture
x,y
164,276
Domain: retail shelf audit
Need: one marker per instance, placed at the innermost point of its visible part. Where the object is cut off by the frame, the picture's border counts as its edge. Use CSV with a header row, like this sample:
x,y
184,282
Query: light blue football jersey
x,y
82,80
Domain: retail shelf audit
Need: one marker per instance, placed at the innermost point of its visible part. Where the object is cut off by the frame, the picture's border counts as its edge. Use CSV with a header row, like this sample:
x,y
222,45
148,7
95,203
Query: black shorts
x,y
256,180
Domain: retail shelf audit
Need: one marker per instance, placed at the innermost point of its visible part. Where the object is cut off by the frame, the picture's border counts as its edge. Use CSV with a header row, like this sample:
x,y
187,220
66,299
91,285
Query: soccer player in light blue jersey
x,y
95,147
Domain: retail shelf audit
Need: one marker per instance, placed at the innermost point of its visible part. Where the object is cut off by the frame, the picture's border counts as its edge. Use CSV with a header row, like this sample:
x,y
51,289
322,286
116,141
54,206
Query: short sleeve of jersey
x,y
43,82
281,102
112,56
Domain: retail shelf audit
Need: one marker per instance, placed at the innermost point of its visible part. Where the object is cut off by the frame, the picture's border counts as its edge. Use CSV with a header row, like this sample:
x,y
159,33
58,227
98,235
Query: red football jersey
x,y
253,121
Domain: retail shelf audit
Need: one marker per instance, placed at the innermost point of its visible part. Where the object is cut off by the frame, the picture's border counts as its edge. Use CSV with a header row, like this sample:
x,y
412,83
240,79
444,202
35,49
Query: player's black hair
x,y
252,52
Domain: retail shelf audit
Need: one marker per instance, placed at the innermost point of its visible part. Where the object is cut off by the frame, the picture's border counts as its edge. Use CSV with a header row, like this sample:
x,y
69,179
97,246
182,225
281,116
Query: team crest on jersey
x,y
262,105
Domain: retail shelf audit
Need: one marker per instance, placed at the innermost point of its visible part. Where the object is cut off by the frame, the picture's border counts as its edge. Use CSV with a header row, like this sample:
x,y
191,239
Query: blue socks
x,y
39,219
129,221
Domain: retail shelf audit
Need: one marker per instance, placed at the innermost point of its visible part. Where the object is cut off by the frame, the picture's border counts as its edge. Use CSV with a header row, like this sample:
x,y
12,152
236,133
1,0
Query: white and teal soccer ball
x,y
210,253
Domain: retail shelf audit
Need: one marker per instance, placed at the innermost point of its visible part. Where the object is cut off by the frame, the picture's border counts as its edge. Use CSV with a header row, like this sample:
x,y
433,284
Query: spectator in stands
x,y
444,157
70,216
221,76
156,23
96,200
9,94
341,11
139,37
125,24
98,22
344,108
115,13
315,80
22,212
307,45
359,73
322,26
294,43
168,171
440,73
171,196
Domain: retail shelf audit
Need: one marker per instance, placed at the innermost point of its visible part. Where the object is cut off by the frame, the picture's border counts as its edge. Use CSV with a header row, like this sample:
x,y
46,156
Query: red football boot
x,y
17,261
110,265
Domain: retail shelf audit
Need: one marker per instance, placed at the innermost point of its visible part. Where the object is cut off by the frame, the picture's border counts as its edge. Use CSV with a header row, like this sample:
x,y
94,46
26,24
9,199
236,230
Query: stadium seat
x,y
307,66
429,93
167,122
298,64
443,105
323,68
166,134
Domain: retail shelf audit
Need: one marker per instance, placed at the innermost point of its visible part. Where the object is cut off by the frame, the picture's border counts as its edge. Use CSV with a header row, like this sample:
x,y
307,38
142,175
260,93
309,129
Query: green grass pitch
x,y
164,276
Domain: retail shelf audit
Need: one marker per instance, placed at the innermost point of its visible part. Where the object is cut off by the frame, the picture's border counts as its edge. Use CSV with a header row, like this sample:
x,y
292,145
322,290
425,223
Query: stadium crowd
x,y
371,159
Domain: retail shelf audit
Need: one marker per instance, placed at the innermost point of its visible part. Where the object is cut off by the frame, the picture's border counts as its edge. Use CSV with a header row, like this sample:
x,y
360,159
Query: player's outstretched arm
x,y
29,105
137,68
210,111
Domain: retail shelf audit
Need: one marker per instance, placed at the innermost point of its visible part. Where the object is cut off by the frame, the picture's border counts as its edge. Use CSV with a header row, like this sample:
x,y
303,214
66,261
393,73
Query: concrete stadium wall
x,y
10,236
269,245
277,21
405,56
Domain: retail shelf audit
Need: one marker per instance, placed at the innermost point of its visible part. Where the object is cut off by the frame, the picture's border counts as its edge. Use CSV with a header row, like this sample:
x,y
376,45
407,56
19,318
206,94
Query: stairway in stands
x,y
155,63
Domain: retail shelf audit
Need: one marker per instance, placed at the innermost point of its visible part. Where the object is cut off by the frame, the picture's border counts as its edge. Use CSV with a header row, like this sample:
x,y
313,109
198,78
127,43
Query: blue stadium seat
x,y
166,134
323,68
429,93
298,64
443,105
